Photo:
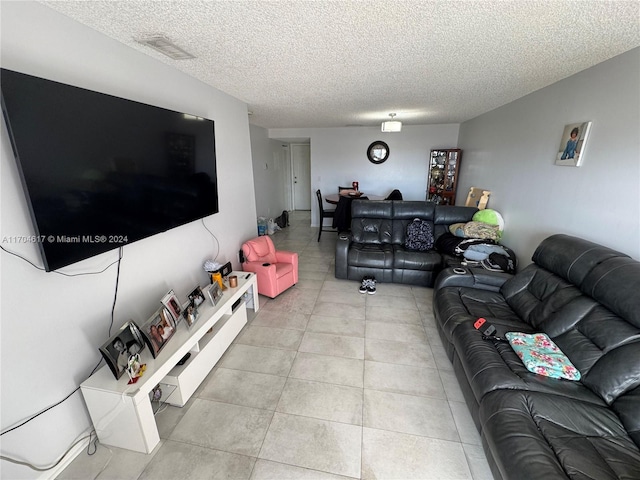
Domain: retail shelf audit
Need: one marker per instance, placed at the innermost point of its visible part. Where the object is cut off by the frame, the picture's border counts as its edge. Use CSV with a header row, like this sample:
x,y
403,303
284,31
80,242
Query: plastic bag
x,y
272,227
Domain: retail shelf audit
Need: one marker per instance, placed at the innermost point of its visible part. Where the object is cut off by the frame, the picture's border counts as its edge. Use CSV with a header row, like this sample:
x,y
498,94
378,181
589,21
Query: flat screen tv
x,y
100,172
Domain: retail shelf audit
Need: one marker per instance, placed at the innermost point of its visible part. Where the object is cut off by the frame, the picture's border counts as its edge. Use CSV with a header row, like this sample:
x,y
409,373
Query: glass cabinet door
x,y
443,176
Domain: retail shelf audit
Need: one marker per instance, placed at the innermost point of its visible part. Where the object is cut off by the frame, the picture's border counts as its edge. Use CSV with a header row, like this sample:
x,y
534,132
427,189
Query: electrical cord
x,y
115,295
214,237
44,469
33,417
120,255
56,271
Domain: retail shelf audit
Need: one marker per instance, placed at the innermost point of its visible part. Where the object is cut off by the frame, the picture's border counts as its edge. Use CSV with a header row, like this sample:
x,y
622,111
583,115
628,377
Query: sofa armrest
x,y
284,256
472,277
342,253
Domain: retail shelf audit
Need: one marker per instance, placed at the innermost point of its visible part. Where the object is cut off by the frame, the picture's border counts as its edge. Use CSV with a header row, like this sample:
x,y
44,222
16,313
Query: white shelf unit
x,y
122,414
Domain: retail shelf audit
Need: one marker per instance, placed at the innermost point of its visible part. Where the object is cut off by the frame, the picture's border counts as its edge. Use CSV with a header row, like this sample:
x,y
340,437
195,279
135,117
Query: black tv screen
x,y
100,172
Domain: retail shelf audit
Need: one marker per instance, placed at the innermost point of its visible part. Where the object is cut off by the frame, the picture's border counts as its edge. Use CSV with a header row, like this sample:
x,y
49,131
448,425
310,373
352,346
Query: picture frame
x,y
158,330
196,297
215,293
128,341
572,144
170,301
190,313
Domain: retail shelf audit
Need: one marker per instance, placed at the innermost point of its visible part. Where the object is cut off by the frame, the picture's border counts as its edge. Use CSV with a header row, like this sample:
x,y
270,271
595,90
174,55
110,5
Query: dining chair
x,y
394,195
323,214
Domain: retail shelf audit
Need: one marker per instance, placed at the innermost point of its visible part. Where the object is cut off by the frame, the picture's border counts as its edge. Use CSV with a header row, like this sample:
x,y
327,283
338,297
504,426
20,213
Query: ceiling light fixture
x,y
165,46
391,125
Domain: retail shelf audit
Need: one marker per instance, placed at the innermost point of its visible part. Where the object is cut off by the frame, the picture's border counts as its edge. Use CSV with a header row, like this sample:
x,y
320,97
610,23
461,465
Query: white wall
x,y
271,170
511,151
339,156
52,325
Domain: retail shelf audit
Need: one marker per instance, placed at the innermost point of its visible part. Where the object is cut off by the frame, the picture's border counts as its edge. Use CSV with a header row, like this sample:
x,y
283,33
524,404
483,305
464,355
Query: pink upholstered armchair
x,y
276,270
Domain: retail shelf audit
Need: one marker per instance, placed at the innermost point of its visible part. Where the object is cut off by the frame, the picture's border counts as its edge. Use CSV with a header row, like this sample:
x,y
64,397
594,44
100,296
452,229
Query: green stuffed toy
x,y
491,217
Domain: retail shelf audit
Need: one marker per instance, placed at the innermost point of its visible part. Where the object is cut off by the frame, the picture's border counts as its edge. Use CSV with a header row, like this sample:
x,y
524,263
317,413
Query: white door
x,y
301,166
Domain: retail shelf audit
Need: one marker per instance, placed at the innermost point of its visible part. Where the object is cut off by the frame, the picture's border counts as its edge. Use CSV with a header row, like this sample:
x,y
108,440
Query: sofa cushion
x,y
556,437
534,294
614,283
373,231
627,407
570,257
371,255
413,260
616,372
491,365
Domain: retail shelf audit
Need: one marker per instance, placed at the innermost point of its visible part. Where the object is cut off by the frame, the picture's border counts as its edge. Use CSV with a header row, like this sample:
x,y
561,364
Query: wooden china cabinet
x,y
444,165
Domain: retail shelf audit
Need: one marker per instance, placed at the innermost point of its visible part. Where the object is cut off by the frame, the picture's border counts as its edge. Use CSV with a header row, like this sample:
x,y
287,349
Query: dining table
x,y
334,198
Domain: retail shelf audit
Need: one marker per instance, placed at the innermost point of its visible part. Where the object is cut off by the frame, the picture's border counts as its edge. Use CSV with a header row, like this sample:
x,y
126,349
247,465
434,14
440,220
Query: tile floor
x,y
323,383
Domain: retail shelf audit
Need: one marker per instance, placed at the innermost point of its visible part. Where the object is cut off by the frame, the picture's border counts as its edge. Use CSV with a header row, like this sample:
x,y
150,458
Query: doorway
x,y
301,175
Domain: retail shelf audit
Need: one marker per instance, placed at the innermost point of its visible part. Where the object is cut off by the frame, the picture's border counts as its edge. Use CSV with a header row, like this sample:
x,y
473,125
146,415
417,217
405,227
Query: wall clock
x,y
378,152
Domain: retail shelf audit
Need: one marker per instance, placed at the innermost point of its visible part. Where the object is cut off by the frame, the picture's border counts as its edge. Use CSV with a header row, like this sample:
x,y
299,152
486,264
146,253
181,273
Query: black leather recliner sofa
x,y
375,245
586,298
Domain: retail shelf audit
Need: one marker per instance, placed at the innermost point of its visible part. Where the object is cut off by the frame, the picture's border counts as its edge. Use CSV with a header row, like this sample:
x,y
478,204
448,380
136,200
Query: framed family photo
x,y
158,330
170,301
574,139
127,342
215,293
196,297
191,313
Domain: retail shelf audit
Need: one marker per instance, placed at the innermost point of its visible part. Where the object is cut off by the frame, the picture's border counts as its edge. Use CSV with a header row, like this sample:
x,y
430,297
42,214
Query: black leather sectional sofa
x,y
586,298
375,245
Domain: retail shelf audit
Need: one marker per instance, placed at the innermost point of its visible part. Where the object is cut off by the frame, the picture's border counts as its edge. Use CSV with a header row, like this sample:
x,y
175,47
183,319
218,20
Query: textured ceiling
x,y
337,63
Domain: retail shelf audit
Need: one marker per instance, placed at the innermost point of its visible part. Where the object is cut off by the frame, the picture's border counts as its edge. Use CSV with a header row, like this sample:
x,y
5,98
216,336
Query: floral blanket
x,y
540,355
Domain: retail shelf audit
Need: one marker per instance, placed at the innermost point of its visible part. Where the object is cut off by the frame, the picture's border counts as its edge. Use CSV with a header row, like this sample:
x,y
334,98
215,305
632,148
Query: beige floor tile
x,y
259,359
330,309
349,296
389,301
222,426
336,325
400,353
424,416
334,345
451,386
179,460
276,319
323,368
465,424
393,315
477,461
391,455
249,389
316,444
267,470
396,332
271,337
337,403
403,379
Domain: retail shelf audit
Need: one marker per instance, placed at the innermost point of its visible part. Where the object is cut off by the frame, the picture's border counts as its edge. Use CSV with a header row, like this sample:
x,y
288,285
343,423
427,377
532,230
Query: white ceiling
x,y
336,63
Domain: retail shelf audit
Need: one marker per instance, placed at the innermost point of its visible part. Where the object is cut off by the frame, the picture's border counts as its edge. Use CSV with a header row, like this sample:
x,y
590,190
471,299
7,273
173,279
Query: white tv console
x,y
122,414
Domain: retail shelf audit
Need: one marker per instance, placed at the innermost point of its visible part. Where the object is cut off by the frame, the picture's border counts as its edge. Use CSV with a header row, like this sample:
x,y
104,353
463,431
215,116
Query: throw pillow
x,y
540,355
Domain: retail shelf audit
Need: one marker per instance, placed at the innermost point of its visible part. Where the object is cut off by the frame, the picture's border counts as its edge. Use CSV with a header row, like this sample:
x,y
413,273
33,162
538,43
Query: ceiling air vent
x,y
165,46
